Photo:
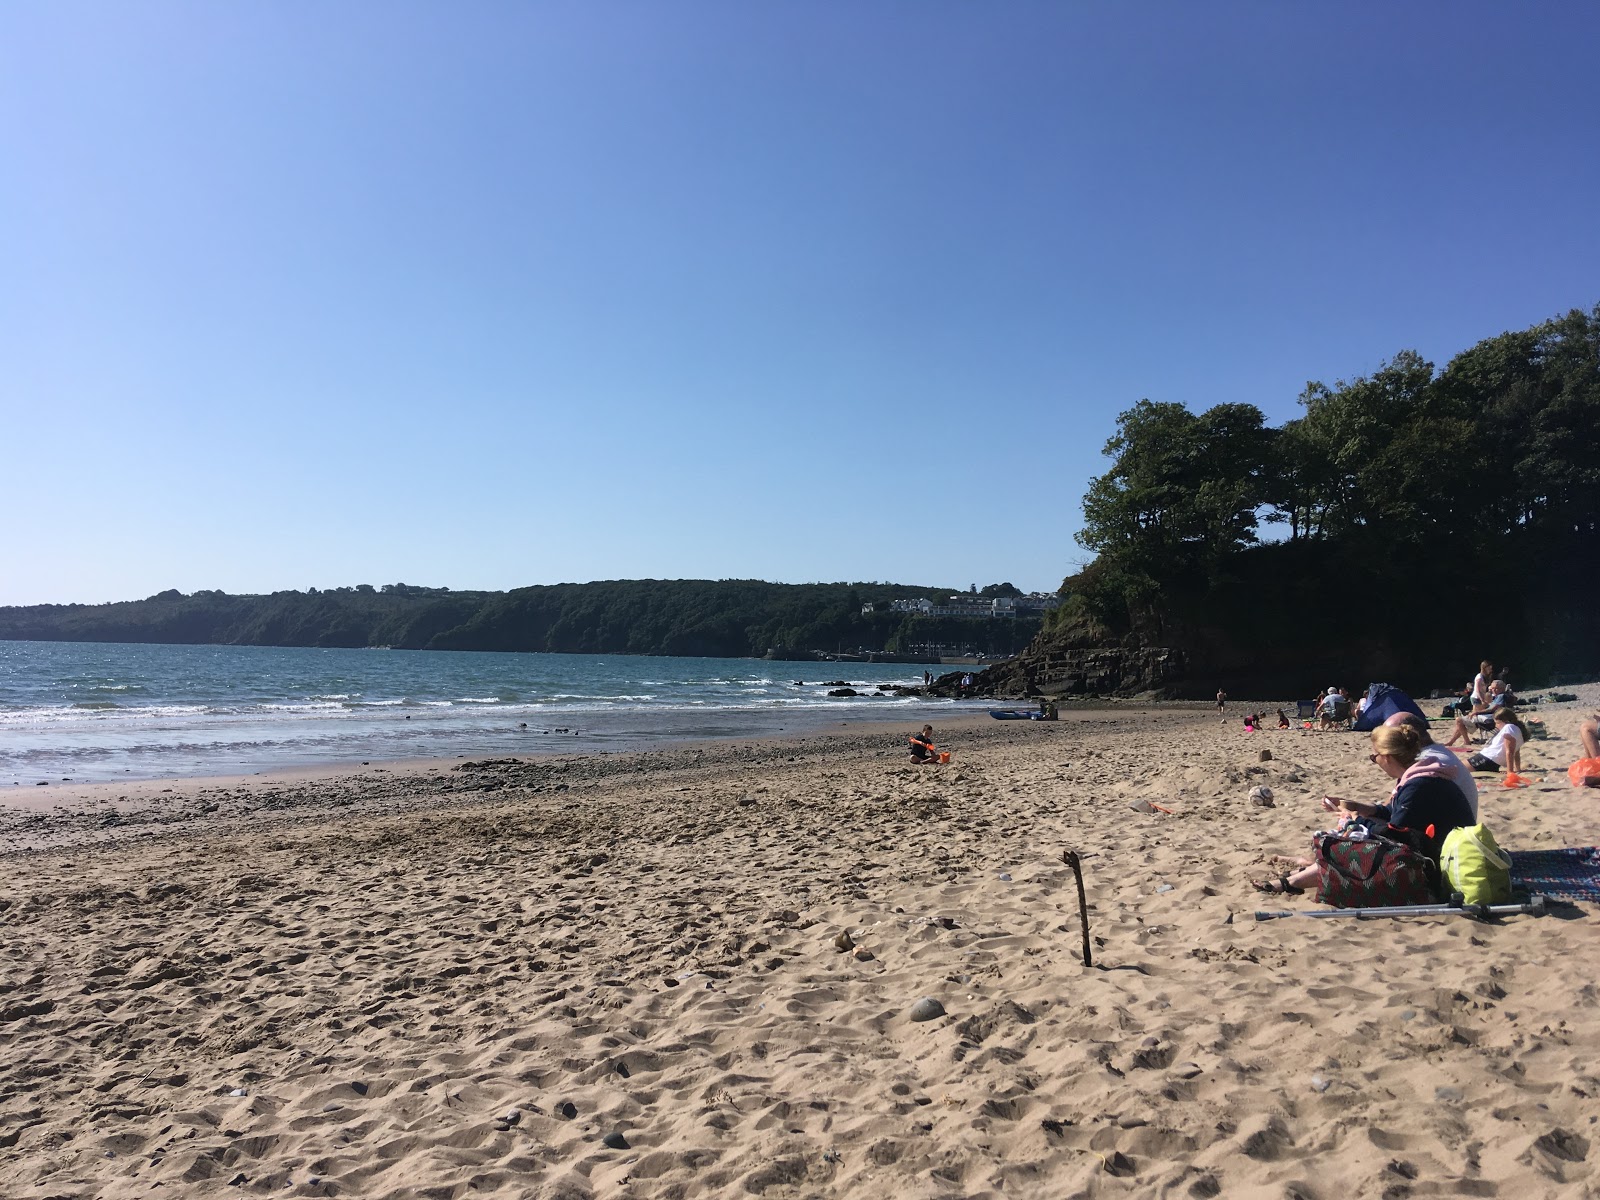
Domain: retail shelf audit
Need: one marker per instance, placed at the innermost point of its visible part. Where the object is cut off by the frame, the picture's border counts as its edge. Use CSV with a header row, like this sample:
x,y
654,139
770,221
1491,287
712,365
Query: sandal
x,y
1277,887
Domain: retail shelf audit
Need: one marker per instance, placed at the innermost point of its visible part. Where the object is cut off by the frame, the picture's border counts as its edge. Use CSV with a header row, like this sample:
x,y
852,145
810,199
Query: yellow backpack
x,y
1475,866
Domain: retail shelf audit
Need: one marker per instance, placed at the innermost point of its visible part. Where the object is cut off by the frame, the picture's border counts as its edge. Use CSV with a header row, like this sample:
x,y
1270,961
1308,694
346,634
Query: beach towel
x,y
1571,873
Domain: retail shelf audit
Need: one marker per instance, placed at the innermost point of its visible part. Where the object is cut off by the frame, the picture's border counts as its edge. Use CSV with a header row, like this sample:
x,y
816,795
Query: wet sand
x,y
462,978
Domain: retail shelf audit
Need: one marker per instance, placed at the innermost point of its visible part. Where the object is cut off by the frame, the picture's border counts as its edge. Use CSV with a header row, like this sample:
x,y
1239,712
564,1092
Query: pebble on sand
x,y
615,1140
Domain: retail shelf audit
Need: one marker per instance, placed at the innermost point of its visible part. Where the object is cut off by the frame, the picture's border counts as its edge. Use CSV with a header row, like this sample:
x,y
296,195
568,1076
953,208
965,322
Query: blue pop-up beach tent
x,y
1383,701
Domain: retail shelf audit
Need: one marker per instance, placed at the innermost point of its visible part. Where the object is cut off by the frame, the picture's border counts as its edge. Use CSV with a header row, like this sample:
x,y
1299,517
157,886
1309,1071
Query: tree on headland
x,y
1431,491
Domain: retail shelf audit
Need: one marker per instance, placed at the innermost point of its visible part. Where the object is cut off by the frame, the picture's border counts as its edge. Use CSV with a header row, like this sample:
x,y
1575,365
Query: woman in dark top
x,y
1426,802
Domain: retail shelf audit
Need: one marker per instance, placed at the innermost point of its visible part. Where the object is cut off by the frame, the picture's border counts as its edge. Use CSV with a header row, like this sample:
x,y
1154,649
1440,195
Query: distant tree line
x,y
1422,520
710,618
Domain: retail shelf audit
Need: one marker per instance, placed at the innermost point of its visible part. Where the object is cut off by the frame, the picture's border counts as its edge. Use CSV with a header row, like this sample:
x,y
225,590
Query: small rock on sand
x,y
615,1140
843,942
926,1009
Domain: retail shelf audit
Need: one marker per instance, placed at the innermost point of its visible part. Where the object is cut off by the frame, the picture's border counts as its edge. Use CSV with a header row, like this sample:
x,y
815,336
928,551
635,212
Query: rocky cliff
x,y
1056,671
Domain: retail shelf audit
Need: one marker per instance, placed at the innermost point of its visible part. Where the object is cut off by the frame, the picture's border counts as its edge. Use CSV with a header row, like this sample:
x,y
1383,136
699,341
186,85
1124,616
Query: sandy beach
x,y
692,973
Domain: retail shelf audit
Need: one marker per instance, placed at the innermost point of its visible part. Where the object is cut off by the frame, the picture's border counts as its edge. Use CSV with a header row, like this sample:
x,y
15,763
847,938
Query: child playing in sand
x,y
922,750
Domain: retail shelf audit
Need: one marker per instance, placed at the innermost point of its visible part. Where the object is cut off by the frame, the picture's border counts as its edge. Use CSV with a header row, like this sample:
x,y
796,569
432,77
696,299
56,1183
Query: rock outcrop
x,y
1105,670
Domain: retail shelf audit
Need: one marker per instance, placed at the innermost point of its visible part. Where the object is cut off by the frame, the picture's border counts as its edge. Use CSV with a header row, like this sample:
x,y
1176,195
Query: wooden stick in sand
x,y
1071,858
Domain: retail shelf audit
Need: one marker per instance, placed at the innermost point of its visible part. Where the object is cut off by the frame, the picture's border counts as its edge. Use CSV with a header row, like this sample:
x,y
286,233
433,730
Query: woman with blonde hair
x,y
1424,807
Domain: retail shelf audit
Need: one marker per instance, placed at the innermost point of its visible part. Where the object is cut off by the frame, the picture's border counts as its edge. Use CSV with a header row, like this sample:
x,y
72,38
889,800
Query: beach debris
x,y
1563,1144
1143,806
843,942
926,1009
1261,796
1187,1070
1118,1163
237,1092
506,1122
615,1140
1266,756
1165,887
1320,1083
1075,861
1005,877
1449,1095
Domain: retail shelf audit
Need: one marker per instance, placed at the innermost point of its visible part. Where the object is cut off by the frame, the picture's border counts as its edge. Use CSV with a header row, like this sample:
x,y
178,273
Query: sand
x,y
447,980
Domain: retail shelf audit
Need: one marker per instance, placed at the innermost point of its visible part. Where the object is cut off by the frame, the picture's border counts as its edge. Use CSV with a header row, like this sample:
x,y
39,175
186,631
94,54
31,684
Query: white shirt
x,y
1498,751
1480,688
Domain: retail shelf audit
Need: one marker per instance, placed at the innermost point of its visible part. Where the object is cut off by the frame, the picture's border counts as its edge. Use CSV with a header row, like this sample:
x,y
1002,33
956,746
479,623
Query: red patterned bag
x,y
1373,872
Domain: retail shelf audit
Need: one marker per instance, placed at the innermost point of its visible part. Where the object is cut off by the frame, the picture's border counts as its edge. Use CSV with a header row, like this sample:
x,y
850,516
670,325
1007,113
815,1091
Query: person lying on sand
x,y
1423,802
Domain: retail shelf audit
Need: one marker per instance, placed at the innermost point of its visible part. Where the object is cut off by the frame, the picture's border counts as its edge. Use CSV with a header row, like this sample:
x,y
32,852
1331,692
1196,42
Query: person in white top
x,y
1504,751
1481,681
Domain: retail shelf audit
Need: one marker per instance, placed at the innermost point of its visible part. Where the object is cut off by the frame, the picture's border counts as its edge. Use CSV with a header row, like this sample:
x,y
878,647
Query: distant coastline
x,y
692,618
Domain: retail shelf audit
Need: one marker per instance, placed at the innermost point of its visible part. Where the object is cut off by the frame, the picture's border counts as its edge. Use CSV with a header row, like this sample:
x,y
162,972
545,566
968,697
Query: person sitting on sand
x,y
1283,719
1482,715
1504,751
1449,764
922,750
1426,804
1589,734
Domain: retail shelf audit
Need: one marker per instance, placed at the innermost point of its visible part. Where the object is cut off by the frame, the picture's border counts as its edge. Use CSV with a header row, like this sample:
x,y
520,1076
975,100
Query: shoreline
x,y
21,792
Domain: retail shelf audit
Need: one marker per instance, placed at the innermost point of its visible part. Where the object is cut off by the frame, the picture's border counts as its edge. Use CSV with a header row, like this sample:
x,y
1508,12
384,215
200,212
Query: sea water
x,y
94,711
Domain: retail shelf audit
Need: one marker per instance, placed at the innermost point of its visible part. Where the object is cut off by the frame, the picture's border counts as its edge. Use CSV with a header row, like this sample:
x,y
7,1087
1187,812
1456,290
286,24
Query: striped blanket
x,y
1571,873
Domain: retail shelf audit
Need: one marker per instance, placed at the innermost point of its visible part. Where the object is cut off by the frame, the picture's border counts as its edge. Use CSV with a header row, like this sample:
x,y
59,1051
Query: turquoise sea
x,y
99,711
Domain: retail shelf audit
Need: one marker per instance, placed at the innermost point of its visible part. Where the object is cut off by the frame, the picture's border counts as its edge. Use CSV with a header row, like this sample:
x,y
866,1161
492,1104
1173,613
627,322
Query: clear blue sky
x,y
491,294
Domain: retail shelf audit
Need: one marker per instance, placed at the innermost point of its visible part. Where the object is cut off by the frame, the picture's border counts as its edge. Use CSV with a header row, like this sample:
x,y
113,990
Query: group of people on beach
x,y
1434,791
